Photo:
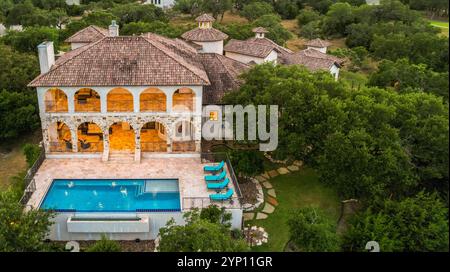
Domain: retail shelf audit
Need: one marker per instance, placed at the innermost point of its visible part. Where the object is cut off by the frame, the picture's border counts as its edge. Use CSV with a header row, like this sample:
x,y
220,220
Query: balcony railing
x,y
60,146
157,105
56,106
183,146
153,147
87,147
120,105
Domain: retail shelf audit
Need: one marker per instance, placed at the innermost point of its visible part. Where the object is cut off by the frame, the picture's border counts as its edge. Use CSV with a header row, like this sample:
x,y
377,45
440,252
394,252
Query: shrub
x,y
104,245
31,152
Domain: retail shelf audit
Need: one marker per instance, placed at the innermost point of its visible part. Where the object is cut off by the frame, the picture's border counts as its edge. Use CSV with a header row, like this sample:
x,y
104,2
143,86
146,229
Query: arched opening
x,y
183,100
121,137
55,101
152,100
90,137
87,100
120,100
183,140
60,138
153,137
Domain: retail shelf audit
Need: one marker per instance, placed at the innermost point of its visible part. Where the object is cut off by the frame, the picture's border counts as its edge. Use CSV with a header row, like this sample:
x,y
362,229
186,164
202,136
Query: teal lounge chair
x,y
219,177
219,197
218,185
214,168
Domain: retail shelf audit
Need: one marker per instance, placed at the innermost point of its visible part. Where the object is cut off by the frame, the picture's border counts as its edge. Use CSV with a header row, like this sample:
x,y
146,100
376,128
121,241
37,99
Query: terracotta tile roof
x,y
313,60
205,18
318,43
259,30
249,48
87,35
124,61
269,42
223,74
204,35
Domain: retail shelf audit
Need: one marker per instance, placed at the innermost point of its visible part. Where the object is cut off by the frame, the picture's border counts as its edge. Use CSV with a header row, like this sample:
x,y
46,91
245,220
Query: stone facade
x,y
136,119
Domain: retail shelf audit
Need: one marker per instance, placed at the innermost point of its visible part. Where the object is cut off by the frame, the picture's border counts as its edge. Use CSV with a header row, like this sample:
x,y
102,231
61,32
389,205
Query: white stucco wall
x,y
247,59
161,3
59,230
2,30
334,70
212,47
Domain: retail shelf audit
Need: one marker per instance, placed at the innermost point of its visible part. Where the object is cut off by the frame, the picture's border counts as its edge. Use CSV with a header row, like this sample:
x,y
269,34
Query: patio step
x,y
122,157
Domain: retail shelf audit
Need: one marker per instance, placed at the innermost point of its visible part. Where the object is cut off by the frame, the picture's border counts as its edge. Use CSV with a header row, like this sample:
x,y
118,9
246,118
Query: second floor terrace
x,y
132,99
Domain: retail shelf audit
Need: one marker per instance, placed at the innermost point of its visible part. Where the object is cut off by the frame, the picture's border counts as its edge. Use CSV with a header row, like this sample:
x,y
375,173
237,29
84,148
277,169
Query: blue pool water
x,y
121,195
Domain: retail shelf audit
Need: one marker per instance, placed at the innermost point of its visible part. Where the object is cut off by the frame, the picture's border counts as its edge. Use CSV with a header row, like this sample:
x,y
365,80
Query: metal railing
x,y
30,184
204,202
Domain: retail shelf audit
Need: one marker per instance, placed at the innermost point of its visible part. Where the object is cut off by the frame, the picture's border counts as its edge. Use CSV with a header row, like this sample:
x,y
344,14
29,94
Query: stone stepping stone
x,y
248,216
298,163
267,185
283,170
272,193
260,216
260,178
265,175
273,173
272,201
268,208
293,168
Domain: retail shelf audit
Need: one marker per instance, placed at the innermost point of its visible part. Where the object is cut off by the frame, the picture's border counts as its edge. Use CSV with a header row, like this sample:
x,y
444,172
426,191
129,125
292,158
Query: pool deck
x,y
189,172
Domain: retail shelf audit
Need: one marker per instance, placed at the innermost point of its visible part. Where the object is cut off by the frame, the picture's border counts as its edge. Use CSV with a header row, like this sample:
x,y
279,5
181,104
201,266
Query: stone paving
x,y
189,172
271,199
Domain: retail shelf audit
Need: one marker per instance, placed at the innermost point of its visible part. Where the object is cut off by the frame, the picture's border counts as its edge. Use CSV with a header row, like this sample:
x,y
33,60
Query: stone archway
x,y
154,137
152,100
59,137
90,137
87,100
184,137
55,100
121,137
183,100
120,100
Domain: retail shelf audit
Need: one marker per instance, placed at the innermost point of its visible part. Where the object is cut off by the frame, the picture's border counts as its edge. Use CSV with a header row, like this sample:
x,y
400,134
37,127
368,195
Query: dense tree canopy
x,y
201,233
415,224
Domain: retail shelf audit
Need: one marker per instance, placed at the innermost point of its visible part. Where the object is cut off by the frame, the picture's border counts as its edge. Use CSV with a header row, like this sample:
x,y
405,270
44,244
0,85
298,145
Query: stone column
x,y
136,101
105,156
103,102
137,147
74,138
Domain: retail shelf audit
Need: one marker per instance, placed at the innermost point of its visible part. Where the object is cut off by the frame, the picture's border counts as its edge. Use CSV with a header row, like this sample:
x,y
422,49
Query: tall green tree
x,y
415,224
312,231
22,231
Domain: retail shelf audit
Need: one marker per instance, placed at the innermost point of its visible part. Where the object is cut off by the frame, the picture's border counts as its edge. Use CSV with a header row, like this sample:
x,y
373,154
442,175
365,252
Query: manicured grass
x,y
296,190
442,25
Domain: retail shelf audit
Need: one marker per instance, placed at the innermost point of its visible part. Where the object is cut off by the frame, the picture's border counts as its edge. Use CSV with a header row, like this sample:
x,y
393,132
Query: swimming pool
x,y
113,195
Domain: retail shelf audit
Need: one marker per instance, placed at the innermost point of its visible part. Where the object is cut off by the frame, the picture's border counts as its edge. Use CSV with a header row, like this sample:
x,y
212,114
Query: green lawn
x,y
442,25
295,190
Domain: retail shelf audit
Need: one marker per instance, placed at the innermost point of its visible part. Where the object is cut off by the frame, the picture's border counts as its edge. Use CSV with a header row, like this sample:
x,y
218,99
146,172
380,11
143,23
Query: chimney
x,y
113,29
46,56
